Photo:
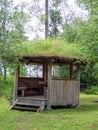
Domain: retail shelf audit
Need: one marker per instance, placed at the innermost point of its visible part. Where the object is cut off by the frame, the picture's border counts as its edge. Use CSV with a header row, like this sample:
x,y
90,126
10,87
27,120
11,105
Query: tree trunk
x,y
4,74
46,19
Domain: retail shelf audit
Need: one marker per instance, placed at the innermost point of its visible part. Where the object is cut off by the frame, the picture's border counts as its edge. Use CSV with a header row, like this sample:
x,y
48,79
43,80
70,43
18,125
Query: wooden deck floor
x,y
34,97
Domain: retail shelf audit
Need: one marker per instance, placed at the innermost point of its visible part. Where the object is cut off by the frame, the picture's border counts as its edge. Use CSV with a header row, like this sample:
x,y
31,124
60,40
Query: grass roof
x,y
50,47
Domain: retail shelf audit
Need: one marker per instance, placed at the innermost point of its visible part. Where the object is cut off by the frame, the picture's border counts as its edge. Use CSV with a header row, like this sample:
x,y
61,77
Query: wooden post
x,y
45,69
49,85
78,78
45,72
16,83
71,70
78,73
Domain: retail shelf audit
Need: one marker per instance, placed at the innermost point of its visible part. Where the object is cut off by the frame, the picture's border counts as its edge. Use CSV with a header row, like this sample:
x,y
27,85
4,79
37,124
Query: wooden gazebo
x,y
37,93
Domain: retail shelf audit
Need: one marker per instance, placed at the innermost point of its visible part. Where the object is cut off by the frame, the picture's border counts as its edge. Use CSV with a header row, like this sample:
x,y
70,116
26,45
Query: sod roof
x,y
50,47
53,49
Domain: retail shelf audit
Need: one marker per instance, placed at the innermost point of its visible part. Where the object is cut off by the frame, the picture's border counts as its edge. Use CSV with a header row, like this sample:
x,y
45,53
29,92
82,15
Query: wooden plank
x,y
42,107
45,72
53,92
30,82
60,92
45,76
75,89
77,92
32,85
25,108
30,102
49,85
14,104
34,98
57,92
74,93
27,104
65,92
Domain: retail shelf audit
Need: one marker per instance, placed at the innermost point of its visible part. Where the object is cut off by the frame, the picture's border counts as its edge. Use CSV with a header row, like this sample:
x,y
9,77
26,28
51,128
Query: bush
x,y
6,88
92,90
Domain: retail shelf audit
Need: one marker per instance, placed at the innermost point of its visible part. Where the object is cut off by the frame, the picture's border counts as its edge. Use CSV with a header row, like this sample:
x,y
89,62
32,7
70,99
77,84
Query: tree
x,y
70,33
91,6
46,18
55,21
11,33
5,14
88,34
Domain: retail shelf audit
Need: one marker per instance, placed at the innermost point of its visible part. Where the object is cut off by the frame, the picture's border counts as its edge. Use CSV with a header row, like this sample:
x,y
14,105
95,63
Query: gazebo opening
x,y
60,71
30,77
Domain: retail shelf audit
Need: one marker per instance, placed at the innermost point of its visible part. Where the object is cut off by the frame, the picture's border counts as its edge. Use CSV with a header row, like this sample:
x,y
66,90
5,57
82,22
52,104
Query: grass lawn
x,y
85,117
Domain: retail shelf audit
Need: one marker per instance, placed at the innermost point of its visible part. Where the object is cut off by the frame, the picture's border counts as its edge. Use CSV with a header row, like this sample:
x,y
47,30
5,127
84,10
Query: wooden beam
x,y
49,85
16,82
45,69
45,76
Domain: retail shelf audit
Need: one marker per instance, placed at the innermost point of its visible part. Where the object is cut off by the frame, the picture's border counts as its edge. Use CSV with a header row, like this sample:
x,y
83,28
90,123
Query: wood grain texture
x,y
65,92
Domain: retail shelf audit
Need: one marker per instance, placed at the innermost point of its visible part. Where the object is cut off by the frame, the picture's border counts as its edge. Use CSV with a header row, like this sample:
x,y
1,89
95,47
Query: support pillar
x,y
45,75
16,83
49,85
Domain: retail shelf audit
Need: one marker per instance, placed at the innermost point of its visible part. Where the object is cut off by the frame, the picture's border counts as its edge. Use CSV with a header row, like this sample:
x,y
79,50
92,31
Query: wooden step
x,y
25,108
33,98
29,102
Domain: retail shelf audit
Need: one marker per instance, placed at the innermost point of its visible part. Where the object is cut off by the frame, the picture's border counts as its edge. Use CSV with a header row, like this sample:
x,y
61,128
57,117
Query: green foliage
x,y
12,21
6,88
55,18
70,33
92,90
88,40
95,71
88,76
91,6
60,72
88,32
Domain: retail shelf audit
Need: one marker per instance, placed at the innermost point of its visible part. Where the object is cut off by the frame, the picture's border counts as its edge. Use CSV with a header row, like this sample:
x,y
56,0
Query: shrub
x,y
6,88
92,90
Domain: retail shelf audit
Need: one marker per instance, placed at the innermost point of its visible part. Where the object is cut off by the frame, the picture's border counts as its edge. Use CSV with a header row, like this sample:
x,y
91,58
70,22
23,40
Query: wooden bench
x,y
22,89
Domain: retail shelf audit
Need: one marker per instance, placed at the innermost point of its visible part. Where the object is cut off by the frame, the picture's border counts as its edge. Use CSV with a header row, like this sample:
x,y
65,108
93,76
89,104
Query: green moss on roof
x,y
50,47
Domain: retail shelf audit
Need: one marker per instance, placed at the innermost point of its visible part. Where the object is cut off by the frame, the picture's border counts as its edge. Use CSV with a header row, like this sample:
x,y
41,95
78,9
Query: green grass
x,y
85,117
50,47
